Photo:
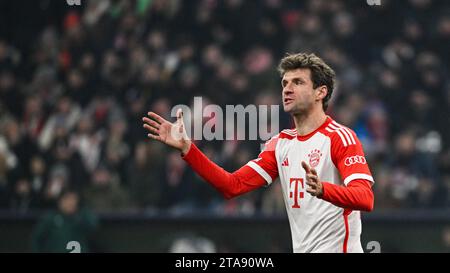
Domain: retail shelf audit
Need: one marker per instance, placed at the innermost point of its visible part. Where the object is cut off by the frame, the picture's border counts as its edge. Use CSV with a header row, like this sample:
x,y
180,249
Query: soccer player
x,y
324,175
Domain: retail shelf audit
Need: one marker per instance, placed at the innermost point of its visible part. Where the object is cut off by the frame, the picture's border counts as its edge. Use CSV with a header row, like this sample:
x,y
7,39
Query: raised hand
x,y
172,134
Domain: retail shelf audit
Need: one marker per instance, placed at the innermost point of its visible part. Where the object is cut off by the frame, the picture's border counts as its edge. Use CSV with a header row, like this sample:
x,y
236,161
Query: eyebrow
x,y
291,79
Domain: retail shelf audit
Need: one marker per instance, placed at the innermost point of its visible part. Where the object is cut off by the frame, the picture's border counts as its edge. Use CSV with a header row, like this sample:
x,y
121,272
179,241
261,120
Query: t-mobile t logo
x,y
73,2
295,192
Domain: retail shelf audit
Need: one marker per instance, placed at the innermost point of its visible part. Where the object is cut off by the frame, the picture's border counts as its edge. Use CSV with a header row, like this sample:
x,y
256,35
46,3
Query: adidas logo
x,y
285,162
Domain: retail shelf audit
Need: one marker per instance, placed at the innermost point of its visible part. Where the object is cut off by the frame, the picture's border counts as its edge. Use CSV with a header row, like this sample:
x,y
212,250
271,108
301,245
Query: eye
x,y
298,82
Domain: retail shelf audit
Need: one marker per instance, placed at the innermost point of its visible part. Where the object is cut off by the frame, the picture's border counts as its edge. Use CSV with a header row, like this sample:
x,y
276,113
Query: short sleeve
x,y
266,164
348,156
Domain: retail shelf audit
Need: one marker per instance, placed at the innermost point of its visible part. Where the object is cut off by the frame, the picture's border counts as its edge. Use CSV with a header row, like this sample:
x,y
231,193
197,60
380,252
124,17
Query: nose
x,y
287,90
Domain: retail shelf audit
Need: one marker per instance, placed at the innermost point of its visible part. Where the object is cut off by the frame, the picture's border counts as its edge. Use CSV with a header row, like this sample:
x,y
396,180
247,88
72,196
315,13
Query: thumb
x,y
181,129
180,115
180,120
306,167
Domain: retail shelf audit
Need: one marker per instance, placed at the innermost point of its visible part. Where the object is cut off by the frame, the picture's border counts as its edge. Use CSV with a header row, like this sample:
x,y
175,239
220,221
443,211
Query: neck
x,y
306,123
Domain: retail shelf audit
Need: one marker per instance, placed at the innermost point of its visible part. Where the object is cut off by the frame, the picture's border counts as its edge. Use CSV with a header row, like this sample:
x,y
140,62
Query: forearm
x,y
229,184
357,195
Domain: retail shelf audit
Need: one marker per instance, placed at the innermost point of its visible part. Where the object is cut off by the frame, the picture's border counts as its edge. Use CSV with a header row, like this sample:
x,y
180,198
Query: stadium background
x,y
76,80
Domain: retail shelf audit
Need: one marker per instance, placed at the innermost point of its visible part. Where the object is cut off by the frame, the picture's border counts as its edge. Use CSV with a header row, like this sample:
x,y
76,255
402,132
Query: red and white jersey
x,y
337,155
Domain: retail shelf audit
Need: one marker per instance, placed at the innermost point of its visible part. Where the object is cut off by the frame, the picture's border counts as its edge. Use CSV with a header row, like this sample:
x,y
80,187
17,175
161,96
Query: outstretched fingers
x,y
150,122
151,129
151,125
153,132
156,117
156,137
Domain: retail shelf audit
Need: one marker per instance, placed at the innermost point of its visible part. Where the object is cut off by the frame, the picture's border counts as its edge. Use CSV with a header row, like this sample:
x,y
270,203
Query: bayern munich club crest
x,y
314,158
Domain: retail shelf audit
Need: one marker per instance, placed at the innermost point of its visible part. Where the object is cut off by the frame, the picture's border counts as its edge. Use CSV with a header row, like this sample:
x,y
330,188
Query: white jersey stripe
x,y
339,129
347,130
358,176
340,135
352,139
350,134
289,132
261,171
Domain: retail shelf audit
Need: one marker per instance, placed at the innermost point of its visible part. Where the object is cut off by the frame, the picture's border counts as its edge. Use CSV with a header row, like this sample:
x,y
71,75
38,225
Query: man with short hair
x,y
324,175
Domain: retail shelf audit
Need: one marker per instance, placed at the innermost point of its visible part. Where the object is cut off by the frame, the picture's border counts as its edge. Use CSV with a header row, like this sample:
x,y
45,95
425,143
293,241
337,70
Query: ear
x,y
322,92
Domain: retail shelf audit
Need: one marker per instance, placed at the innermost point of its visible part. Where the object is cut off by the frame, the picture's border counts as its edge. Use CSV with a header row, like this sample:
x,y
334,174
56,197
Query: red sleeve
x,y
348,156
229,184
357,195
266,163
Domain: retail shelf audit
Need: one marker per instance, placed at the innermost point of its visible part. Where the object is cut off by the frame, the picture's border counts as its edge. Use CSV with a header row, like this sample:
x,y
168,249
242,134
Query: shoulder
x,y
271,144
288,133
340,135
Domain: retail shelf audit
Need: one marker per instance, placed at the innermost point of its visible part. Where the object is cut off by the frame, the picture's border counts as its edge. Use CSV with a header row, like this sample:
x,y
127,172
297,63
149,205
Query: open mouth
x,y
288,100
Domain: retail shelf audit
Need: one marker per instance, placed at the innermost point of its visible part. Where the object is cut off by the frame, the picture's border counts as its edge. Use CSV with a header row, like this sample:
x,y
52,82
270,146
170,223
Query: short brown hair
x,y
321,73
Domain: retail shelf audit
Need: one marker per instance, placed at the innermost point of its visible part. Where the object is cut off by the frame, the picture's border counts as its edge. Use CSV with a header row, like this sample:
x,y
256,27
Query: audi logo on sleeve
x,y
356,159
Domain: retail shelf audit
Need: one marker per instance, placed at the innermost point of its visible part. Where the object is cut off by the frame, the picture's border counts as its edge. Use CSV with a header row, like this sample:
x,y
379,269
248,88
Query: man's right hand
x,y
172,134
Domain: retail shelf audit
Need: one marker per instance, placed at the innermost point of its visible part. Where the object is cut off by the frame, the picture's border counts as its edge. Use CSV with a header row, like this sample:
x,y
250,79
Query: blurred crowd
x,y
74,87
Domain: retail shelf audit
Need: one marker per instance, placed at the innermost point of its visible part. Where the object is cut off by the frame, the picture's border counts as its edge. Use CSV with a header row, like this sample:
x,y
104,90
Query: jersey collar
x,y
321,127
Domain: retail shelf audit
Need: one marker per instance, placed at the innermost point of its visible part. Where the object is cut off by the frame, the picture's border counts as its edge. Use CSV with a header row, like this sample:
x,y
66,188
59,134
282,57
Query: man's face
x,y
69,203
298,92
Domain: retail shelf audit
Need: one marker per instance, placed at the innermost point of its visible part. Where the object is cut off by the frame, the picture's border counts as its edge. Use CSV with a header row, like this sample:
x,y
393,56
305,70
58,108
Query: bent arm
x,y
229,184
357,195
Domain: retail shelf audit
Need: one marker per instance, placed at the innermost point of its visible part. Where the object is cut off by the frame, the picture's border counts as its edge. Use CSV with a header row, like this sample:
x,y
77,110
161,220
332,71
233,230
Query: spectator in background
x,y
23,199
69,222
4,191
179,192
86,141
136,102
144,179
116,149
64,118
18,147
38,177
62,154
33,117
413,173
105,192
57,183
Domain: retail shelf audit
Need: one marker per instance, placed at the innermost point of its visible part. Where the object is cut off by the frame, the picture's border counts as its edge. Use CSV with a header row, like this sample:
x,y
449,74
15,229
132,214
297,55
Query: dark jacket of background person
x,y
105,193
68,223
